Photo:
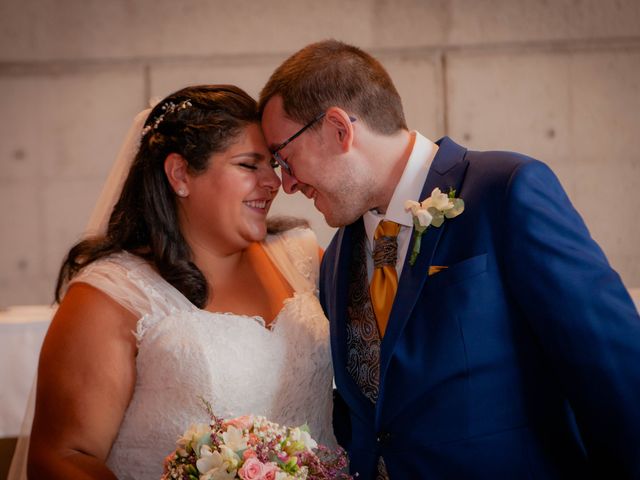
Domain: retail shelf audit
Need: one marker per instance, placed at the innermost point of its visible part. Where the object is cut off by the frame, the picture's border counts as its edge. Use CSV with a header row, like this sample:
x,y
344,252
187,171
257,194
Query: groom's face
x,y
317,170
278,128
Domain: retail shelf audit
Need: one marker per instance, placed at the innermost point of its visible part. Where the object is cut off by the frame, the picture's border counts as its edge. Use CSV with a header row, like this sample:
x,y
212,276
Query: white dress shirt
x,y
409,188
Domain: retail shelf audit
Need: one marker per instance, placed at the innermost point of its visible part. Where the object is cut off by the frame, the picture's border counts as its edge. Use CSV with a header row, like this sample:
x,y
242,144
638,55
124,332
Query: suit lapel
x,y
447,170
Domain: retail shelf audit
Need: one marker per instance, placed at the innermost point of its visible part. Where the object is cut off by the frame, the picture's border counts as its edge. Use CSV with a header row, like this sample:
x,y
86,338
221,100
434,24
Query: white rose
x,y
209,459
421,214
213,466
229,457
438,200
302,436
412,205
234,439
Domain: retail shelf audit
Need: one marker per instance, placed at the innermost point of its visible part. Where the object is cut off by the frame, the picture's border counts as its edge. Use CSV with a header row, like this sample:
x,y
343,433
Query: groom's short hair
x,y
332,73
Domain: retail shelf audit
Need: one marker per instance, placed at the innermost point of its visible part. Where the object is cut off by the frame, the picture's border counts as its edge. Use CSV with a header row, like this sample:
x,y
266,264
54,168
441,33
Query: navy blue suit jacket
x,y
520,360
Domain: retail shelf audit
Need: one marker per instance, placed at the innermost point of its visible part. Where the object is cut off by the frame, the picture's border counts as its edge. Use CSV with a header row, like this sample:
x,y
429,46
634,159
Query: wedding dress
x,y
185,354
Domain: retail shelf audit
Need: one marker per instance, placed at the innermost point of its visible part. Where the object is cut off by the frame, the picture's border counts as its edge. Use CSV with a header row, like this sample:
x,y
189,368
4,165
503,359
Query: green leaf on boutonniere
x,y
417,238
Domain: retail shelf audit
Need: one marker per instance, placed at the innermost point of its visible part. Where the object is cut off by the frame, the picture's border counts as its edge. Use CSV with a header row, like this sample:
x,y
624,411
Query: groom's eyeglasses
x,y
275,152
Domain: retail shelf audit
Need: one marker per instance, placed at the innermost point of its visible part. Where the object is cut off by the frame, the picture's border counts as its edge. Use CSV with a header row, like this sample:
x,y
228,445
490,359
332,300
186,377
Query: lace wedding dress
x,y
231,360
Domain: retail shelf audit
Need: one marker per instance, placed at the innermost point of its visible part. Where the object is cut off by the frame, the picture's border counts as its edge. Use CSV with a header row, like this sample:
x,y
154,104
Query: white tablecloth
x,y
22,329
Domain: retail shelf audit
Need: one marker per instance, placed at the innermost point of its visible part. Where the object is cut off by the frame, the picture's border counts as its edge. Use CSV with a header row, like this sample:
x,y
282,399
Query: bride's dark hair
x,y
194,122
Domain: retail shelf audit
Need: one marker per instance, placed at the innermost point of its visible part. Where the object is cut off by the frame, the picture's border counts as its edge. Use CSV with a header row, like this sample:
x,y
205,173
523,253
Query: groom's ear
x,y
341,128
175,168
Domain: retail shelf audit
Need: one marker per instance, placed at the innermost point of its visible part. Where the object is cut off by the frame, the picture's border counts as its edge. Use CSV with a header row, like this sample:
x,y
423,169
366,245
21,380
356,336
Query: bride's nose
x,y
270,179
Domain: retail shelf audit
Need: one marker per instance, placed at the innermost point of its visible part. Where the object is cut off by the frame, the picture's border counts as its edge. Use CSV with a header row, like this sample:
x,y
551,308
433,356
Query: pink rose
x,y
270,470
248,453
253,469
243,423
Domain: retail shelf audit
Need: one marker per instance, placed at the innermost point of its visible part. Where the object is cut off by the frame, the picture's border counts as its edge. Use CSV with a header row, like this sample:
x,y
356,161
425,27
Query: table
x,y
22,329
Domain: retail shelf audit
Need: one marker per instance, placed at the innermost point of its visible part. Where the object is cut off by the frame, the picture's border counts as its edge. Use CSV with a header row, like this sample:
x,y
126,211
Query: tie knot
x,y
386,228
385,249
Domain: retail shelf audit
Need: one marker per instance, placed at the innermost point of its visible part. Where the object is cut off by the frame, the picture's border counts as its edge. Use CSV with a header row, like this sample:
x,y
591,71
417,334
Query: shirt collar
x,y
409,187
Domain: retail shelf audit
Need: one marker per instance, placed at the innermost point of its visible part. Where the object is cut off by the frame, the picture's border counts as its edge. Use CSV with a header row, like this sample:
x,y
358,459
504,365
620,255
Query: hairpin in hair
x,y
167,108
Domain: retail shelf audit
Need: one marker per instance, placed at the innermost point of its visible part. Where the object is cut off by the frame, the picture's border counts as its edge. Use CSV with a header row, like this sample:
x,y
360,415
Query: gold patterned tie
x,y
384,282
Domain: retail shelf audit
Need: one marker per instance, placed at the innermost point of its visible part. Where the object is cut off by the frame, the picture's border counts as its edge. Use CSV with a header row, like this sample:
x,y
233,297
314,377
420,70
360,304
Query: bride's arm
x,y
86,378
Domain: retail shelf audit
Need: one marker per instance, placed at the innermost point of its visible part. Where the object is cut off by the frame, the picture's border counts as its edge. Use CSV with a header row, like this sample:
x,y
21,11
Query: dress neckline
x,y
274,285
257,319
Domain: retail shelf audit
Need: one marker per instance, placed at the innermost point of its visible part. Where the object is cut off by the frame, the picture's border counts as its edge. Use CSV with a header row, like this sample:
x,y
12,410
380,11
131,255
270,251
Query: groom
x,y
507,347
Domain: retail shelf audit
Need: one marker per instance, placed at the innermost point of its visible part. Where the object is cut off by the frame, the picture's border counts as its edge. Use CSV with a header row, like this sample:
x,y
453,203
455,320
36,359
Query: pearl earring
x,y
182,192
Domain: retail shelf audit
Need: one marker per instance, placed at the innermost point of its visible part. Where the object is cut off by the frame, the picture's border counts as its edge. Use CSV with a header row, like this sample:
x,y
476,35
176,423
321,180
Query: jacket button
x,y
383,437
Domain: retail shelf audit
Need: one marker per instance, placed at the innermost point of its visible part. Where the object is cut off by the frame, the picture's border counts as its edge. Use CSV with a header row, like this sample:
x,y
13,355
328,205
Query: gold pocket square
x,y
433,269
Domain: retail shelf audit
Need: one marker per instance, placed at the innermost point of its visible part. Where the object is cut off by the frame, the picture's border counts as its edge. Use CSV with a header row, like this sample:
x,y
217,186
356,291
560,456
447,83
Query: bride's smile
x,y
227,204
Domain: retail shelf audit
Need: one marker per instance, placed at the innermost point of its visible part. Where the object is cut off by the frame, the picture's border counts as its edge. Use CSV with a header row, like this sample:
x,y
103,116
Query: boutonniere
x,y
432,211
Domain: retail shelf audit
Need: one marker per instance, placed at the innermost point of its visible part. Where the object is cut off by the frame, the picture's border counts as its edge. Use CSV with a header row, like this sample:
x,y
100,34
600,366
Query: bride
x,y
184,296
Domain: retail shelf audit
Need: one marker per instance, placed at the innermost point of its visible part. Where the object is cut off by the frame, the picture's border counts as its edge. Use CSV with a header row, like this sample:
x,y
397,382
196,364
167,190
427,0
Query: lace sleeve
x,y
112,275
296,253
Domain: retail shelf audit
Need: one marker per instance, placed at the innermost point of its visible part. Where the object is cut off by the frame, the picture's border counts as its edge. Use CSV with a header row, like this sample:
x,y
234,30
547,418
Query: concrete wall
x,y
559,80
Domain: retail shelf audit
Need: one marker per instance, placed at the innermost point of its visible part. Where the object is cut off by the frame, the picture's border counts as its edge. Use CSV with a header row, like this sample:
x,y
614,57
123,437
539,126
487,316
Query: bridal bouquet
x,y
251,448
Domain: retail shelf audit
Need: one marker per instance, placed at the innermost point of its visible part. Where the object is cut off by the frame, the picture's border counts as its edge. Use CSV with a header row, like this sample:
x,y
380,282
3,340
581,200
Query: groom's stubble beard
x,y
352,196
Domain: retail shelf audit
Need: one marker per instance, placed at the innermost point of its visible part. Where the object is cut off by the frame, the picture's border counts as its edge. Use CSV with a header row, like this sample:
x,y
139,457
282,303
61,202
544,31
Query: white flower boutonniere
x,y
432,211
